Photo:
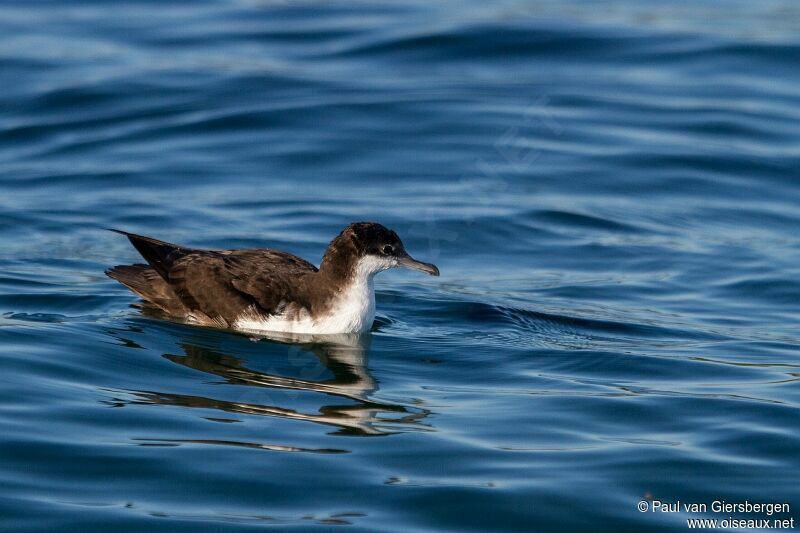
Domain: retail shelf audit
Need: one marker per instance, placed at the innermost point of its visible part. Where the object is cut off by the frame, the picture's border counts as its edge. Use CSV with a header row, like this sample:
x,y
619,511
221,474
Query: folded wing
x,y
210,286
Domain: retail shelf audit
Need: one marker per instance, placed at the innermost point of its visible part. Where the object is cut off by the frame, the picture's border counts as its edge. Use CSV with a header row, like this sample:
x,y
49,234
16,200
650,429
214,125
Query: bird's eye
x,y
388,249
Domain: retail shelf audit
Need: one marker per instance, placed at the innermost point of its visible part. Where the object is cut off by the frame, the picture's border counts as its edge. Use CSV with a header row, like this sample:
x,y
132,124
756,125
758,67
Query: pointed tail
x,y
159,254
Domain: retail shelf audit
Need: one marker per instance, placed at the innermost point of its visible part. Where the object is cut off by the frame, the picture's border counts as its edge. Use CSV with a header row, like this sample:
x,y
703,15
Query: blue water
x,y
612,194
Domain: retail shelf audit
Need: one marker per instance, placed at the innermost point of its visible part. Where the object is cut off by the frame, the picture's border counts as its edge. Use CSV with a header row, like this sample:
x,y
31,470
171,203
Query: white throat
x,y
353,311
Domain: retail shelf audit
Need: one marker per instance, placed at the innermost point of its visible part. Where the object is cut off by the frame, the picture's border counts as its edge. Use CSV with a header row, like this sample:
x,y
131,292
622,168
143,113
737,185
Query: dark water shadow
x,y
341,377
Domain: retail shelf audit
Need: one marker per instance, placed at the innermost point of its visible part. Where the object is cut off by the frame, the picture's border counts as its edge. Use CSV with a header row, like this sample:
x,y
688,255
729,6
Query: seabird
x,y
264,290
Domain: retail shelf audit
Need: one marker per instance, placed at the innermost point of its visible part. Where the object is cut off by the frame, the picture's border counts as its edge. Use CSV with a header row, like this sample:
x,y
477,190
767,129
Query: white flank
x,y
353,311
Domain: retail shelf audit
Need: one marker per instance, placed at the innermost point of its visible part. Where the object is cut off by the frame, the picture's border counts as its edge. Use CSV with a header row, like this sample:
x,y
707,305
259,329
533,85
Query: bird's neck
x,y
338,264
349,298
347,275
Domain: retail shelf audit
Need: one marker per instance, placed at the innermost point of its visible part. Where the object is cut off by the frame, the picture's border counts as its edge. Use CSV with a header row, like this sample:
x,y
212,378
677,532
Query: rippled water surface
x,y
611,193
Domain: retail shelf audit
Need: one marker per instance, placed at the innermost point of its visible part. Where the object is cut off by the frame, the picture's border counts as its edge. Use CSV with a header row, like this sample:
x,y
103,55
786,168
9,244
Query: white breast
x,y
352,311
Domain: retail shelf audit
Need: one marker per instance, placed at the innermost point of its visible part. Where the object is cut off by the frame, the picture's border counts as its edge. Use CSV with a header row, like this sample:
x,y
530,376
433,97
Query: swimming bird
x,y
265,290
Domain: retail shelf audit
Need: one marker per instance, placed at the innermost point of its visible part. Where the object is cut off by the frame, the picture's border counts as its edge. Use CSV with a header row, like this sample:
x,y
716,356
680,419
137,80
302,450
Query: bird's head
x,y
370,248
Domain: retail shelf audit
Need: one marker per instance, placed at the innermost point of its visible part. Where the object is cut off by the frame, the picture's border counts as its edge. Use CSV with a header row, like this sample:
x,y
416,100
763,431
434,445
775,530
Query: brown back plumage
x,y
211,286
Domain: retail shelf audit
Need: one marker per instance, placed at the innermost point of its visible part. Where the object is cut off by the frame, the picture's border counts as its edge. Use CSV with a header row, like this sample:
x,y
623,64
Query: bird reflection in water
x,y
340,375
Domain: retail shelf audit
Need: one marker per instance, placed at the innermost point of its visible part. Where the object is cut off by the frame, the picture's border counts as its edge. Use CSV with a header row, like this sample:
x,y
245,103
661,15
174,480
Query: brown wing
x,y
202,283
224,284
218,286
270,277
